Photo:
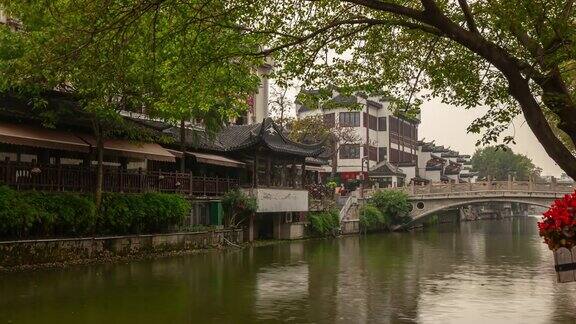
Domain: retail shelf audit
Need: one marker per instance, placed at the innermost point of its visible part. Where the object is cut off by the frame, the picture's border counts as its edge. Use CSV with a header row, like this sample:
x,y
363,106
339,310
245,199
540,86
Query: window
x,y
370,121
28,157
373,122
381,123
394,156
373,153
350,151
329,120
200,214
350,119
394,124
382,154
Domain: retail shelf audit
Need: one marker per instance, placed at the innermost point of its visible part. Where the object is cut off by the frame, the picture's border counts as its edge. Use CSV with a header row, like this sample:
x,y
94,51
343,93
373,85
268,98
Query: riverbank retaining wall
x,y
350,226
49,251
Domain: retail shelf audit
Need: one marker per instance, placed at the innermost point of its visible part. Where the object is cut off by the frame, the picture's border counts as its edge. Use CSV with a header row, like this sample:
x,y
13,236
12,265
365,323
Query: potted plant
x,y
558,228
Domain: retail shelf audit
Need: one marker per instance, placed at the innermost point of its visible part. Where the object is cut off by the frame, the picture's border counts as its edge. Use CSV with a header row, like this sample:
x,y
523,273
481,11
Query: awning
x,y
211,159
314,168
308,167
130,149
216,160
19,134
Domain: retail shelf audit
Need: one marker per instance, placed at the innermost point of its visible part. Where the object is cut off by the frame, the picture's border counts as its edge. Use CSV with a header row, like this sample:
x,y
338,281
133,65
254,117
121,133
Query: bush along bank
x,y
38,215
325,223
384,210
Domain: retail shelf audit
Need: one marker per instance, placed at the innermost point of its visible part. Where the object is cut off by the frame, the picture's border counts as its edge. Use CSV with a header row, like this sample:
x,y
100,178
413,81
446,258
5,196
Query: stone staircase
x,y
349,217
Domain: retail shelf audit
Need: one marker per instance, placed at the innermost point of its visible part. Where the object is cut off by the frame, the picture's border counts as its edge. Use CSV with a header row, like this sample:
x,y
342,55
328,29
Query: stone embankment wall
x,y
350,226
50,251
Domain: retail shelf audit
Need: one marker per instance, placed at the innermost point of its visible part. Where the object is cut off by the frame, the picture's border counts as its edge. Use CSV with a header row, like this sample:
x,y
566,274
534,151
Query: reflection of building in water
x,y
278,288
352,288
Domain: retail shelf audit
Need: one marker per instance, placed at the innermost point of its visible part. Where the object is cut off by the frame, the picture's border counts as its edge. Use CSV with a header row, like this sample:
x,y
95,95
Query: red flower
x,y
558,223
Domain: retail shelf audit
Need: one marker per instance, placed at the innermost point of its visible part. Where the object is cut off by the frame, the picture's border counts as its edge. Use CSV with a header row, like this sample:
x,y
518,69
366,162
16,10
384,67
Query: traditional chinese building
x,y
387,175
257,158
437,163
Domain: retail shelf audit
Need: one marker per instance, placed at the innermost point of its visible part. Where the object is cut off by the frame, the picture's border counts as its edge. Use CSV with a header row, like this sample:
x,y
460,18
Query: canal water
x,y
494,271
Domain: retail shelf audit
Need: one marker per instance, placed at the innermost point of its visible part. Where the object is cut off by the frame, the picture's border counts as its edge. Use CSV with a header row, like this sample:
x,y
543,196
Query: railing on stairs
x,y
350,201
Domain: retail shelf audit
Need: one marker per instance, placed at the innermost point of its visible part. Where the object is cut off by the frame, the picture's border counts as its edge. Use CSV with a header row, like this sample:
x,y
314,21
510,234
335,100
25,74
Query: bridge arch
x,y
431,207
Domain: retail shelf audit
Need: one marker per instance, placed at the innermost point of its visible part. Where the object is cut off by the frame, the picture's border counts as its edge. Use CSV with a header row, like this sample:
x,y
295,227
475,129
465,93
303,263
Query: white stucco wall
x,y
261,98
434,176
410,172
280,200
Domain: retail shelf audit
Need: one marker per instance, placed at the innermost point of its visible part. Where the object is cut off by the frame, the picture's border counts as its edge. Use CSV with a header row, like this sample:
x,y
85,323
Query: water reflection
x,y
478,272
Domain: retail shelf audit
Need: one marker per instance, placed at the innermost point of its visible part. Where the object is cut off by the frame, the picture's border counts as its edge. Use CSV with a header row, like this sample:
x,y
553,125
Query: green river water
x,y
478,272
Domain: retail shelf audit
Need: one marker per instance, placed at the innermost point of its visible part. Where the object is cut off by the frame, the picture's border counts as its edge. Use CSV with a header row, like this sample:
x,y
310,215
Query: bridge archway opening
x,y
422,216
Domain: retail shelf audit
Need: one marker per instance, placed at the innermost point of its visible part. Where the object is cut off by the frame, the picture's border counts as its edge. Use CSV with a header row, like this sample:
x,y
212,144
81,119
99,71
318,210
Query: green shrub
x,y
237,206
38,214
24,214
62,213
325,223
16,215
141,213
372,219
393,204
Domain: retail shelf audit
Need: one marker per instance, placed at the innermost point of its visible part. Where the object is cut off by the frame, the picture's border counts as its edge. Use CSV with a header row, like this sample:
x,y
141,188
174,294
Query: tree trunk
x,y
334,159
520,90
537,122
100,166
183,145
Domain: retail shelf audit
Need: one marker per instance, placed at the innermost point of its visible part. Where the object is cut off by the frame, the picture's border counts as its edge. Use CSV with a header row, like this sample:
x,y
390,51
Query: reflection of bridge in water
x,y
432,198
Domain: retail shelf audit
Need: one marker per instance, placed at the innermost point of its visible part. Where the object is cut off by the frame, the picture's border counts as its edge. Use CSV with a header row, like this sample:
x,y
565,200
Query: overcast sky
x,y
447,125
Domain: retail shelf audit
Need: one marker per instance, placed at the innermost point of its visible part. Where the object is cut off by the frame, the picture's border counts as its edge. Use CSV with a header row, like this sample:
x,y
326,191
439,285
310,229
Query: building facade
x,y
380,134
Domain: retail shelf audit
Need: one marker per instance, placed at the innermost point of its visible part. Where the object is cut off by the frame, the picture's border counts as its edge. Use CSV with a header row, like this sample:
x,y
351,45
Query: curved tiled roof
x,y
453,168
435,163
450,153
385,168
238,137
419,180
267,133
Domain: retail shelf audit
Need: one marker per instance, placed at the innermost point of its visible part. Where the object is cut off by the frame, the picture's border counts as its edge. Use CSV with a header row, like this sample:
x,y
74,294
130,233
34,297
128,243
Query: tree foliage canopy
x,y
512,56
130,55
499,163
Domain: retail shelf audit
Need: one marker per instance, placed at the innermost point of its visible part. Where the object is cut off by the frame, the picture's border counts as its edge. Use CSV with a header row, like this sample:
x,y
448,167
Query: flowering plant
x,y
558,225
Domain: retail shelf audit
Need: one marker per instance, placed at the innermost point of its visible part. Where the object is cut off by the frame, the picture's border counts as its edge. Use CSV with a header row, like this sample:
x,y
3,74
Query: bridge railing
x,y
436,188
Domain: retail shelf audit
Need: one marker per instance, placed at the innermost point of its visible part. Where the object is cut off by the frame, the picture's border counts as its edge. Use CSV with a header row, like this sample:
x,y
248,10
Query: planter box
x,y
565,264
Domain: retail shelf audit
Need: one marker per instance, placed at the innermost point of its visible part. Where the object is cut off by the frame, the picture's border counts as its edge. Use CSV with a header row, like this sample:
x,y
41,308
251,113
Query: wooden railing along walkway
x,y
78,179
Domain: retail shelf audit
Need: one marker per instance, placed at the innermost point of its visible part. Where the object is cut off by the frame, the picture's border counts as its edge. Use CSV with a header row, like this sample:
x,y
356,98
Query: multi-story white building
x,y
381,136
440,164
259,101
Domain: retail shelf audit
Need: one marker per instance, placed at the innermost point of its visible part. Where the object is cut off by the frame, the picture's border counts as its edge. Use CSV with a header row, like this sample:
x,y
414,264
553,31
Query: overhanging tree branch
x,y
358,21
468,16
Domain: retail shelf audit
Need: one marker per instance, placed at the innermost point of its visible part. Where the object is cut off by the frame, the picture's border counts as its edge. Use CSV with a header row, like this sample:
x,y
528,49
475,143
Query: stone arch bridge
x,y
432,198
